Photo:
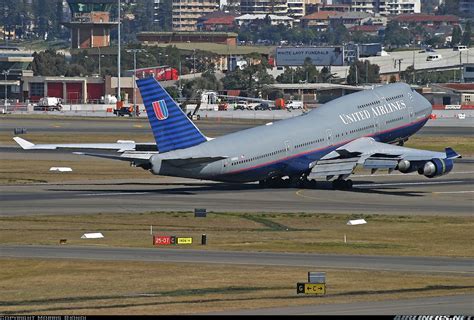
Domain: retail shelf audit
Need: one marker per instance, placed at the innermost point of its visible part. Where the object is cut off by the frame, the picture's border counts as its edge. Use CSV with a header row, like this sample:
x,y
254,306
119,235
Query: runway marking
x,y
404,174
110,194
467,191
408,183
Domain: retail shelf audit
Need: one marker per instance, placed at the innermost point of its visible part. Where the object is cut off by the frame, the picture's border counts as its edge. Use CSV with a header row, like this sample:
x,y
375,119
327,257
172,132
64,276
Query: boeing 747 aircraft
x,y
360,129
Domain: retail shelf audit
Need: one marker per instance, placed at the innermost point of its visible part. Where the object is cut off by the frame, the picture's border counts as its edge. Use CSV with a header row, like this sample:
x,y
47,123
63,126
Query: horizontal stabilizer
x,y
451,154
24,144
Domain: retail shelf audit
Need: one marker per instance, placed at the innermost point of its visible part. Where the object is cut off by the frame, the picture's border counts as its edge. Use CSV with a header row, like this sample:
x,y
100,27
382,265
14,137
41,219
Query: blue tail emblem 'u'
x,y
172,129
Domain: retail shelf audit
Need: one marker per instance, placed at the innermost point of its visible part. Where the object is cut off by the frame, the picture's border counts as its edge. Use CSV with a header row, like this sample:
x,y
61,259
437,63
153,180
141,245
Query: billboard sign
x,y
320,56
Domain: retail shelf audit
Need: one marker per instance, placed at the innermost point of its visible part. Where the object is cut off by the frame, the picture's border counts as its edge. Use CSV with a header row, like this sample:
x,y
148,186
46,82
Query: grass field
x,y
312,233
218,48
30,286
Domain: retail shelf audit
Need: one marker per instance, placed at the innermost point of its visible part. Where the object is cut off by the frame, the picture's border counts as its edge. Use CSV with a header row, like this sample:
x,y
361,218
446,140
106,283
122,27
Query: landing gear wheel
x,y
342,184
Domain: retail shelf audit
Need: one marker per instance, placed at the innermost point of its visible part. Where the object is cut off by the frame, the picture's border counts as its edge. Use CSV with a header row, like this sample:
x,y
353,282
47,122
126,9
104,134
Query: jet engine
x,y
437,167
406,166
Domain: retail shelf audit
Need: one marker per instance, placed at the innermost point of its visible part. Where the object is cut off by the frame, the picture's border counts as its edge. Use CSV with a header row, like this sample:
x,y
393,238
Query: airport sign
x,y
311,288
161,240
185,240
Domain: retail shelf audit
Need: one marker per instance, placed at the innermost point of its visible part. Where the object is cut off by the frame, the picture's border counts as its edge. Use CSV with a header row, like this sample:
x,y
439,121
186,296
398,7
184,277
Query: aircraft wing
x,y
120,145
370,154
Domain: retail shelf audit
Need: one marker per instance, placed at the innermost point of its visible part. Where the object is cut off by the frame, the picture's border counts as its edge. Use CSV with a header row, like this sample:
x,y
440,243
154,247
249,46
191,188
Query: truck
x,y
48,104
369,49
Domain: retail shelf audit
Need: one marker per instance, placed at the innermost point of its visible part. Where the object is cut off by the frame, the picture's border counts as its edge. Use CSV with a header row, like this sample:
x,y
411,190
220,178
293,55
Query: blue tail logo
x,y
161,111
172,129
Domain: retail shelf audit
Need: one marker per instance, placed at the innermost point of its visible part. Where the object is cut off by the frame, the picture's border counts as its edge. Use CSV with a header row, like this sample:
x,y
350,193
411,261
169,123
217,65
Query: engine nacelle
x,y
437,167
405,166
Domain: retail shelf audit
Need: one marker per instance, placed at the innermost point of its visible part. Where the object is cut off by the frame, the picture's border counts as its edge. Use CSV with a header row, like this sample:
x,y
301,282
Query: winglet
x,y
26,145
451,154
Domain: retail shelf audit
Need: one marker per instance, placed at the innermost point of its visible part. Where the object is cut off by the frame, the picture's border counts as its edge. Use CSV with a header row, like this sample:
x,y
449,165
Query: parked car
x,y
241,105
433,57
263,106
460,48
292,105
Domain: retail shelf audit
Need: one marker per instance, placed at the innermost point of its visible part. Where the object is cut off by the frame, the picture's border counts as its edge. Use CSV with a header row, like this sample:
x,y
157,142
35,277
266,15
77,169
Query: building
x,y
296,9
248,19
348,19
468,72
14,65
72,90
426,20
396,7
317,20
276,7
217,21
90,23
466,7
150,38
451,96
185,14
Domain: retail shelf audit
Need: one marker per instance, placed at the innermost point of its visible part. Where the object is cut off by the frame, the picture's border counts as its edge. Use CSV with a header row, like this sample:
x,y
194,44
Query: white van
x,y
433,57
460,48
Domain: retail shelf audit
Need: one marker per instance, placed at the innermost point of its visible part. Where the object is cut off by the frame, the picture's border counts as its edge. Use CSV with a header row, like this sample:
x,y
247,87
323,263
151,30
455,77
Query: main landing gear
x,y
340,184
290,182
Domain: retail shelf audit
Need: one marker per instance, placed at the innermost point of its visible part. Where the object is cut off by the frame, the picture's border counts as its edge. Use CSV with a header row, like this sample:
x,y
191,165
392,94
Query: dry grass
x,y
85,168
464,145
30,286
315,233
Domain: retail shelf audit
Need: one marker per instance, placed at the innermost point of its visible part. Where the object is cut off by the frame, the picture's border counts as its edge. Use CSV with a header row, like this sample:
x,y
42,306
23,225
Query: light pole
x,y
119,98
99,63
134,51
5,73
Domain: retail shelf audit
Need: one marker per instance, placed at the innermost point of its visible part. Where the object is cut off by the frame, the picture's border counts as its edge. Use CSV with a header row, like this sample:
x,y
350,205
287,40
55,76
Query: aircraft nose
x,y
421,103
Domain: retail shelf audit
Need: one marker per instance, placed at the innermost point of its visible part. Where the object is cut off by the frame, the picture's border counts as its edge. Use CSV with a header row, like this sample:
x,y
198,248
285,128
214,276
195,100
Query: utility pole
x,y
134,51
119,98
356,71
100,74
5,73
399,67
461,75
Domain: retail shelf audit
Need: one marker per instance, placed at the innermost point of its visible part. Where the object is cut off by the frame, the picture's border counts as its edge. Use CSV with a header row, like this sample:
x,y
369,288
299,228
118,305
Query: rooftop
x,y
420,17
321,15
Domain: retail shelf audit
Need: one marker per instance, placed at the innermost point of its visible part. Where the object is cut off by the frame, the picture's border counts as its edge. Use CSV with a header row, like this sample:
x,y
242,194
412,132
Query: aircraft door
x,y
329,136
287,147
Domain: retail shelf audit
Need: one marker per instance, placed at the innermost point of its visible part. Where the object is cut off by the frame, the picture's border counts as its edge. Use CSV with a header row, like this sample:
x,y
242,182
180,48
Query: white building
x,y
275,20
296,9
386,7
276,7
185,13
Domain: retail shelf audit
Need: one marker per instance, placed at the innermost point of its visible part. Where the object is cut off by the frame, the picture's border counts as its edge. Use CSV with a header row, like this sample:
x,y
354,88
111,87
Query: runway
x,y
436,265
398,194
447,305
210,127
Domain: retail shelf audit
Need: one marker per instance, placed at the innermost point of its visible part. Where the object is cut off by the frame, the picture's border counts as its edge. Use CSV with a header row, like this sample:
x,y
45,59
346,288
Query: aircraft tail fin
x,y
172,129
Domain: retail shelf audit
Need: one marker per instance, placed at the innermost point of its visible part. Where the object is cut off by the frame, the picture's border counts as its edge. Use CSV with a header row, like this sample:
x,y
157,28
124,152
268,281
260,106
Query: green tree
x,y
466,36
49,63
396,35
456,36
363,72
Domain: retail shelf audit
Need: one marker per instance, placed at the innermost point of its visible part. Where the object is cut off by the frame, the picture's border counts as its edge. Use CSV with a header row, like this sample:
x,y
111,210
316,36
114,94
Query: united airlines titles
x,y
375,112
